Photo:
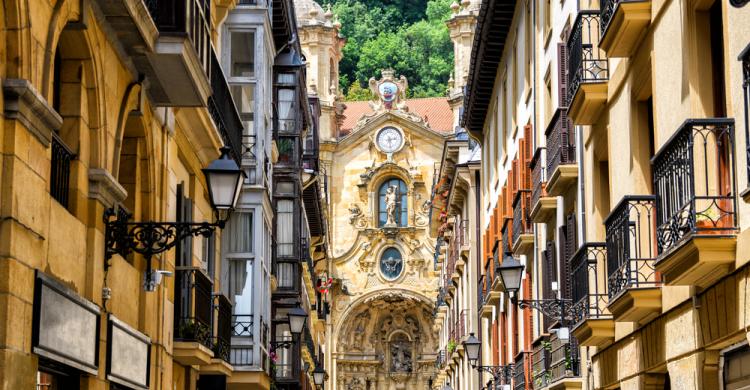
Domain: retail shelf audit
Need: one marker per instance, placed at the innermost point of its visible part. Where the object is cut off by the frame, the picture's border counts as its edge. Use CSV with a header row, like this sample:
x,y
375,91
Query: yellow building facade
x,y
112,109
627,210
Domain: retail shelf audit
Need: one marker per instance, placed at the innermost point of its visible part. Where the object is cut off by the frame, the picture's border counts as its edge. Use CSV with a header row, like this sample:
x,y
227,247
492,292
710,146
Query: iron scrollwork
x,y
553,308
147,238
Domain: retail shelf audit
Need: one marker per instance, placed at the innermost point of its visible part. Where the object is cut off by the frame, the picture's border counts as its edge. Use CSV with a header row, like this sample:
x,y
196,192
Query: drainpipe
x,y
581,186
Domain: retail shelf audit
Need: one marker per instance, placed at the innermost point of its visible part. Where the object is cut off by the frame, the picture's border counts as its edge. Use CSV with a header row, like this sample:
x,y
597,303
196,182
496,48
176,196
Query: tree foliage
x,y
408,36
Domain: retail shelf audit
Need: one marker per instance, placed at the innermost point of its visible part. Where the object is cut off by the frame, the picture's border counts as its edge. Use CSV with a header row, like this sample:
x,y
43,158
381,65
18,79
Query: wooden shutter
x,y
562,74
184,248
568,240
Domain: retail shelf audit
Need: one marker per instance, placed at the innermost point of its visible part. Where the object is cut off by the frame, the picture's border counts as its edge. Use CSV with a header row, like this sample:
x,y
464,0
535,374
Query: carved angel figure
x,y
403,85
375,103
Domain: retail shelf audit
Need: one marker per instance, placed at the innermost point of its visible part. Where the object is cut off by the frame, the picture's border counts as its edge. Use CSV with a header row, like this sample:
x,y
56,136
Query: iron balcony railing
x,y
223,111
587,62
520,368
745,57
521,215
458,331
189,17
538,177
223,327
561,149
440,360
631,244
694,182
589,289
60,172
506,234
540,362
193,311
565,361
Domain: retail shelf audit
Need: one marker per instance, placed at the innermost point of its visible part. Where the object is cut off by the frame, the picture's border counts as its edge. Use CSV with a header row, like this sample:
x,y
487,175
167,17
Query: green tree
x,y
409,36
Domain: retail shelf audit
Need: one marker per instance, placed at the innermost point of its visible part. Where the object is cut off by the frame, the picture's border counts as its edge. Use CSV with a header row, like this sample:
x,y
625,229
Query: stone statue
x,y
391,195
401,357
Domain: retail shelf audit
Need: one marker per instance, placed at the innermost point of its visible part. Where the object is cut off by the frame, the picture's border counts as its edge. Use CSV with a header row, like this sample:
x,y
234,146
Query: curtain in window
x,y
239,233
285,227
285,274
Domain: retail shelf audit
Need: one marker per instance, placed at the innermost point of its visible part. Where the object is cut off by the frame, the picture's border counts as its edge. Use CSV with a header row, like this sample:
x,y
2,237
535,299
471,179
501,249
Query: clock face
x,y
389,140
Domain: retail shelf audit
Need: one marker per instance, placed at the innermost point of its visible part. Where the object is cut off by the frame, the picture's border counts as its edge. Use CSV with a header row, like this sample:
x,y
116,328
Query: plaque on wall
x,y
66,326
128,355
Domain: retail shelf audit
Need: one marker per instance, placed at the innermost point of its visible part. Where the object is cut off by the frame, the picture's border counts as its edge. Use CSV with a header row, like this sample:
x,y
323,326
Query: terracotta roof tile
x,y
435,111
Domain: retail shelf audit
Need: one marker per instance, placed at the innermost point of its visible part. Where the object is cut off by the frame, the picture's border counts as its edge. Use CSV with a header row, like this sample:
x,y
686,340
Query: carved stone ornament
x,y
388,93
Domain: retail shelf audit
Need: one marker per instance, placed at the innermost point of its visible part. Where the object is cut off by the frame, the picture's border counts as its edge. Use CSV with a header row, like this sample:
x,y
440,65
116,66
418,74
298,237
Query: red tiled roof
x,y
436,112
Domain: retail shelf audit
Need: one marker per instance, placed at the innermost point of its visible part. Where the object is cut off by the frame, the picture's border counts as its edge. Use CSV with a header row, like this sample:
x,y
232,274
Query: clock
x,y
389,140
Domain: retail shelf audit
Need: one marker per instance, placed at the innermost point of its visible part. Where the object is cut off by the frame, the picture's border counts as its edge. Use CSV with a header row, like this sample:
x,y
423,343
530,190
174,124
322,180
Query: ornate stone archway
x,y
385,341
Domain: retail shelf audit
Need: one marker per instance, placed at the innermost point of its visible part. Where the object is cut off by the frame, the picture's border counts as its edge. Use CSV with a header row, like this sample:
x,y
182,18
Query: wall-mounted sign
x,y
66,326
128,355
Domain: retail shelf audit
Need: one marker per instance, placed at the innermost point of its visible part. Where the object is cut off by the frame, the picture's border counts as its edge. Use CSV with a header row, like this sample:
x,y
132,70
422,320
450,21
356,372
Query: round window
x,y
391,263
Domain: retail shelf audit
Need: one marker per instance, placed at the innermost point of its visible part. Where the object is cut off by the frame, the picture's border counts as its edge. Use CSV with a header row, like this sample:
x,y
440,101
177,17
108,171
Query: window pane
x,y
285,228
240,285
285,78
285,274
401,211
244,99
243,54
287,150
286,110
240,233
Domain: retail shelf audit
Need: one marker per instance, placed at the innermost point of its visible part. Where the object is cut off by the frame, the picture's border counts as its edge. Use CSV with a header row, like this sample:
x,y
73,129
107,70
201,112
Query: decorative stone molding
x,y
26,105
105,188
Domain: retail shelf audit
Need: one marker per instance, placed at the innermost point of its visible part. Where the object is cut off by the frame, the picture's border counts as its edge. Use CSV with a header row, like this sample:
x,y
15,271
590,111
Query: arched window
x,y
391,263
393,190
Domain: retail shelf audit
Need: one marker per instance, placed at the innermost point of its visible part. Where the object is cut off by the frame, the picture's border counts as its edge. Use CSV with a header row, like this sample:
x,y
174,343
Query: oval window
x,y
391,263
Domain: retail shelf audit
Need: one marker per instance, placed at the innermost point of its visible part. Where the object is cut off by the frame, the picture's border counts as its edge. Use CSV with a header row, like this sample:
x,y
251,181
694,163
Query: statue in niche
x,y
391,195
401,356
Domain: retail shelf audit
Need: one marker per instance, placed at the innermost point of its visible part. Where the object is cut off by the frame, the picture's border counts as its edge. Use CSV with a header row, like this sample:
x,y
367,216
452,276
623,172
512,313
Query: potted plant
x,y
451,346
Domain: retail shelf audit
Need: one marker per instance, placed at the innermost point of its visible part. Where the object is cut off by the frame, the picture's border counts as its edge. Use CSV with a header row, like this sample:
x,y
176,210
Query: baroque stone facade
x,y
380,175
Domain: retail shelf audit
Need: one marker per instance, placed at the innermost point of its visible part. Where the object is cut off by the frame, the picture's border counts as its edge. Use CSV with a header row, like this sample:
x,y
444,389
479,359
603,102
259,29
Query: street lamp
x,y
224,183
319,375
296,318
511,272
472,346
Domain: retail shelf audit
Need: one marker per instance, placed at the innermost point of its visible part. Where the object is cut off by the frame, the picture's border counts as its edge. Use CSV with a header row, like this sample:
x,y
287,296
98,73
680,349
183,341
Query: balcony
x,y
540,362
456,250
592,323
696,220
523,228
562,170
521,368
62,155
588,70
458,330
192,317
564,363
179,65
633,285
506,233
542,206
221,340
224,113
243,339
623,24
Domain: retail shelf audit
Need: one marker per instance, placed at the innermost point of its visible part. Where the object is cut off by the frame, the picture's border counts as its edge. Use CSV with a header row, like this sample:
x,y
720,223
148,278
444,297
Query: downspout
x,y
581,186
477,231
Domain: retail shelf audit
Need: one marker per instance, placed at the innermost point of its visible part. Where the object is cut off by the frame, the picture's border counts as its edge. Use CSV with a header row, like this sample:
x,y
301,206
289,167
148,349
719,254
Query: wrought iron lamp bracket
x,y
147,238
498,373
558,309
286,344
